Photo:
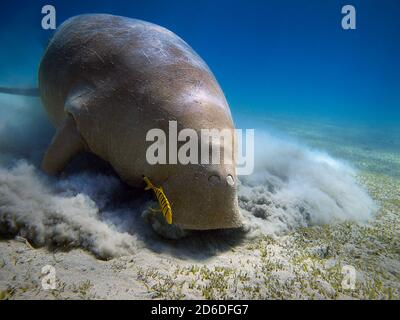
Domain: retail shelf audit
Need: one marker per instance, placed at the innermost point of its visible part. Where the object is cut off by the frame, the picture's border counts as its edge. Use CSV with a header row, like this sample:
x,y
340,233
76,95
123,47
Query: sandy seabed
x,y
307,218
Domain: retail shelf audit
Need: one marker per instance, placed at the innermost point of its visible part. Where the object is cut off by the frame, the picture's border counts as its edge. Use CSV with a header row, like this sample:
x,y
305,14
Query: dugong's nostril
x,y
230,180
214,179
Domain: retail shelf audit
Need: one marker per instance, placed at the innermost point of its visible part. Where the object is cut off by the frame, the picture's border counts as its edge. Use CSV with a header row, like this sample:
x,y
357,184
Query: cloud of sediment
x,y
291,187
294,186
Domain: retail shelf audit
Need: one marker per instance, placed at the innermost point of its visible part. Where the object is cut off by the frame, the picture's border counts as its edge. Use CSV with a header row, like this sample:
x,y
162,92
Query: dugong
x,y
106,80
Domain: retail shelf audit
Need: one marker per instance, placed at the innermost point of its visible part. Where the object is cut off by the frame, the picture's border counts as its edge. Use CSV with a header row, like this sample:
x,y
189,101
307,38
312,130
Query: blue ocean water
x,y
287,59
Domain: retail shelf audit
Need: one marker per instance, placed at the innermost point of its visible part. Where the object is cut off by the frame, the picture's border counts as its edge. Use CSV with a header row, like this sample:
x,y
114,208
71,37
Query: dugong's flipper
x,y
65,145
29,92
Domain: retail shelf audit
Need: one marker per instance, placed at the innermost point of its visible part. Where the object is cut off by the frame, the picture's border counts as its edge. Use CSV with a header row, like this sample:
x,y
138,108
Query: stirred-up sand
x,y
309,218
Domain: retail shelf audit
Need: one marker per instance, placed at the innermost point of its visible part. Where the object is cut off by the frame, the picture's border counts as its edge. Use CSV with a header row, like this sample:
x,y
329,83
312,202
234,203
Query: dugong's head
x,y
204,197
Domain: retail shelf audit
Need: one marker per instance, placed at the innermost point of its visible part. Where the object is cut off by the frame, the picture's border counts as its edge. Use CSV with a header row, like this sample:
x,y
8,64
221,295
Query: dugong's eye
x,y
214,179
230,180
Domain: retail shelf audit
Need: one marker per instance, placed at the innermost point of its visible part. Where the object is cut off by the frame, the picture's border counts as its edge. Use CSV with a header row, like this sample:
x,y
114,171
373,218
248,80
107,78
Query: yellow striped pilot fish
x,y
165,206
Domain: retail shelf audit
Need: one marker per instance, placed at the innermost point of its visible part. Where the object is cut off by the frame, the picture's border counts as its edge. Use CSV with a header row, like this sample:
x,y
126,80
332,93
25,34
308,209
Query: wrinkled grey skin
x,y
105,81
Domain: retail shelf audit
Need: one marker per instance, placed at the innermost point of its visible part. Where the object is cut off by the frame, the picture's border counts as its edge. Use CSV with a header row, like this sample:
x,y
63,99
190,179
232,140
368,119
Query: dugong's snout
x,y
205,201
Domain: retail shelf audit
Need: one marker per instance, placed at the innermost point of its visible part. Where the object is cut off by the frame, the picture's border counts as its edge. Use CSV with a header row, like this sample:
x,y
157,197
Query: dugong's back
x,y
119,78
